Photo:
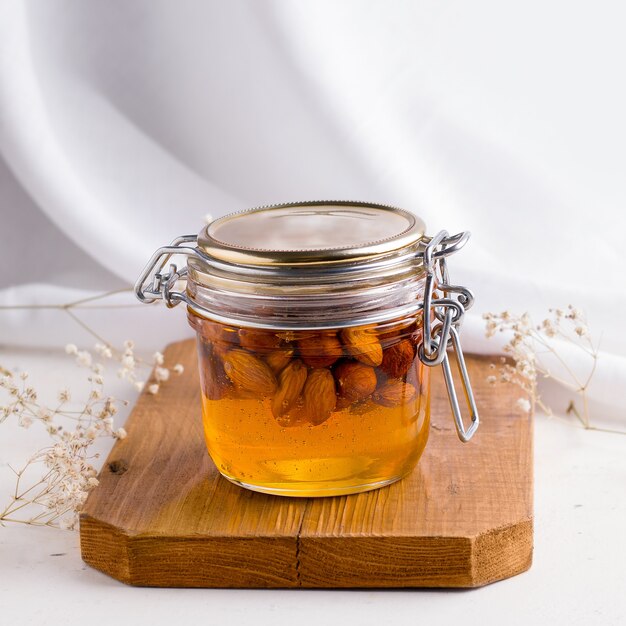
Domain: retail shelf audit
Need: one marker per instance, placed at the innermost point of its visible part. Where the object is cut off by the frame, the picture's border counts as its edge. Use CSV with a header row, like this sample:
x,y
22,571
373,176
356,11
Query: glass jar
x,y
311,321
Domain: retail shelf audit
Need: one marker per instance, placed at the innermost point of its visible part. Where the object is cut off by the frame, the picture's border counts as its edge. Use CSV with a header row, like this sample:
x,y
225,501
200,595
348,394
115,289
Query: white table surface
x,y
578,575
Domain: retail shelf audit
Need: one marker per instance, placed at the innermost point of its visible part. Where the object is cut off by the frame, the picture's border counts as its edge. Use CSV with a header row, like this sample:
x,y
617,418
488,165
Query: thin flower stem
x,y
87,328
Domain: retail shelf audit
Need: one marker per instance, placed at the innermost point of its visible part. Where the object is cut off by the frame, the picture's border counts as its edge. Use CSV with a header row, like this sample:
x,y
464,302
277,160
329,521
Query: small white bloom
x,y
70,348
161,374
178,368
128,361
153,389
492,380
92,481
129,344
524,404
25,421
139,385
158,358
121,433
44,414
84,358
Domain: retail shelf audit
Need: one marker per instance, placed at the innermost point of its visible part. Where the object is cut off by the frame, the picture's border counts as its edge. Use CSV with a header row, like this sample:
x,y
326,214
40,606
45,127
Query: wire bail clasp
x,y
440,320
155,284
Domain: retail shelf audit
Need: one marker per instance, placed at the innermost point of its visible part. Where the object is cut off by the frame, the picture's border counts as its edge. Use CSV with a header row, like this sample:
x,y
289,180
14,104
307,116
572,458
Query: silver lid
x,y
306,233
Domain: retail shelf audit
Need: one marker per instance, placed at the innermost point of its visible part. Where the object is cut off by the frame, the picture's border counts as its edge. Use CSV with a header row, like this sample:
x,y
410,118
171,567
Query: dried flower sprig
x,y
534,351
55,495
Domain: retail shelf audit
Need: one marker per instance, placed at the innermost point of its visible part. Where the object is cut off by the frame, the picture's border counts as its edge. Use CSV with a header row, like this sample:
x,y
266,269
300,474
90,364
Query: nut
x,y
398,358
222,338
257,340
215,384
320,349
394,393
278,359
355,381
319,396
362,343
290,384
249,373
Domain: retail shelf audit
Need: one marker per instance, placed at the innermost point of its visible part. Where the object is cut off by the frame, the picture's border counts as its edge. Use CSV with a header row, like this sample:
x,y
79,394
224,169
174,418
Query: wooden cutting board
x,y
163,516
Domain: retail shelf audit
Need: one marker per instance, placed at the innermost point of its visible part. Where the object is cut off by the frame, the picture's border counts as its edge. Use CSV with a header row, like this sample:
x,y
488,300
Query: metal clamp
x,y
440,320
154,284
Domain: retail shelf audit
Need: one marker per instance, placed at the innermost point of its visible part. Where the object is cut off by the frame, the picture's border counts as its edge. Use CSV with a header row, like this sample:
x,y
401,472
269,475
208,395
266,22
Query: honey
x,y
363,441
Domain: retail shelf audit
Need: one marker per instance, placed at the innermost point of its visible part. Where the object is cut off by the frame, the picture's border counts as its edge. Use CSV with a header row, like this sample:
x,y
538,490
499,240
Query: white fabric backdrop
x,y
123,124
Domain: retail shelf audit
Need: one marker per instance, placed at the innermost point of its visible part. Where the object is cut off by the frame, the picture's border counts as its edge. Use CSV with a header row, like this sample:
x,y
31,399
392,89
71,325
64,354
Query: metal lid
x,y
310,233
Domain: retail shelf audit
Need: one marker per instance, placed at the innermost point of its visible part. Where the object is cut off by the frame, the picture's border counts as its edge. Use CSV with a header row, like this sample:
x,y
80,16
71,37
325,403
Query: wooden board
x,y
163,516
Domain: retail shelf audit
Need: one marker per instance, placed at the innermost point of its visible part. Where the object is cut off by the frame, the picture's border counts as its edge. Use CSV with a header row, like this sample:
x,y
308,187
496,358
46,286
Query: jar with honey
x,y
317,324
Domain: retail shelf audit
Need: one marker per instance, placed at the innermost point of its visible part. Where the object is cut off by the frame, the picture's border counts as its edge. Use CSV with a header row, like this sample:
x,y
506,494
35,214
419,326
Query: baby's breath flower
x,y
161,374
178,369
527,345
84,358
25,421
524,404
69,475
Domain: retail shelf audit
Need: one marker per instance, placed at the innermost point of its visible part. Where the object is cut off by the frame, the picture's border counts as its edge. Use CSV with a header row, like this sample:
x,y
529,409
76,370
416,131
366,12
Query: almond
x,y
355,381
222,338
290,384
249,373
362,343
394,393
392,332
319,396
258,340
215,384
398,358
278,359
320,349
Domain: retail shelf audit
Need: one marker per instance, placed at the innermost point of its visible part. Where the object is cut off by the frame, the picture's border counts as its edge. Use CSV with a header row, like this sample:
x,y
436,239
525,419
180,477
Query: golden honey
x,y
373,435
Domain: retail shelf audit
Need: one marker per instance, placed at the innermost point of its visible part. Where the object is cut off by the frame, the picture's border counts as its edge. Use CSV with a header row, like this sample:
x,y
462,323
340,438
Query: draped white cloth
x,y
123,124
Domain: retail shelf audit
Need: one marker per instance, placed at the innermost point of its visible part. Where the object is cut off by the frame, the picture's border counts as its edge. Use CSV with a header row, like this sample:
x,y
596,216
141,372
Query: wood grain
x,y
163,516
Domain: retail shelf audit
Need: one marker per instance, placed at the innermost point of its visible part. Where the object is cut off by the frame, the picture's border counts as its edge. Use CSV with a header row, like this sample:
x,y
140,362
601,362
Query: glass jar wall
x,y
313,413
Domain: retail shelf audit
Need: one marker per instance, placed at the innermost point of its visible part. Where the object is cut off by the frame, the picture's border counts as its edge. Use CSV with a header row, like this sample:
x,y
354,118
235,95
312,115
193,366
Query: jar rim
x,y
308,233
